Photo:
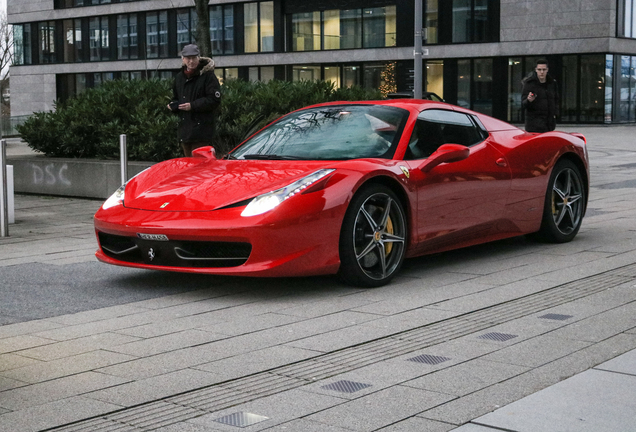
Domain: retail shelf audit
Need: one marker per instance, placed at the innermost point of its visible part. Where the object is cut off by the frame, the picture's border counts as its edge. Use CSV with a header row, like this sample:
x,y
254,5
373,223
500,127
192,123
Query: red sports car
x,y
348,188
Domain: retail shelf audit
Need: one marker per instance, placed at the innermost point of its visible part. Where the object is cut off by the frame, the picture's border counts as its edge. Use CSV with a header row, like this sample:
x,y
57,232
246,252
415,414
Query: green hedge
x,y
89,125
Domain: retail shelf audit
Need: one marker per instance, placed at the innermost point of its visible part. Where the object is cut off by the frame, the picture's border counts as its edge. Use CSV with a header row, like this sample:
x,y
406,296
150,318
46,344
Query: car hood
x,y
185,185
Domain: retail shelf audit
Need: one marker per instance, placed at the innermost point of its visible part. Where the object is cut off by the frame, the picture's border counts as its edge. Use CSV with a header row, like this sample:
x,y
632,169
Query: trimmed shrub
x,y
89,125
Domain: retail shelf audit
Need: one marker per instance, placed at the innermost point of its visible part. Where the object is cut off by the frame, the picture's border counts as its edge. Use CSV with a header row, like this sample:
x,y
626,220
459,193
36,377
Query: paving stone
x,y
380,409
154,388
467,377
279,408
57,389
53,414
76,346
65,366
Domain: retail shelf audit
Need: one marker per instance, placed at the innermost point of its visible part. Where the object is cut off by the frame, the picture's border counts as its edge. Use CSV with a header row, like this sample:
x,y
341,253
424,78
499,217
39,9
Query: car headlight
x,y
266,202
115,199
118,197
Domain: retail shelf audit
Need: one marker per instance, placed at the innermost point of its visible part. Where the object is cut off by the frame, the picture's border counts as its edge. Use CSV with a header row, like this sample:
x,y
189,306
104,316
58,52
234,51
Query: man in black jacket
x,y
540,99
196,97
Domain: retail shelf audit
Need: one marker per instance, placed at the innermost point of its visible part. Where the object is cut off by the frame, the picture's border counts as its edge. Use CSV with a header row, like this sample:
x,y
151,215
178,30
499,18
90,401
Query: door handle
x,y
501,162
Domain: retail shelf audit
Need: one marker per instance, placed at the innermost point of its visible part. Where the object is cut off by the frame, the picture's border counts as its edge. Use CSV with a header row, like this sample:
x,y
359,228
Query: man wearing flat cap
x,y
196,98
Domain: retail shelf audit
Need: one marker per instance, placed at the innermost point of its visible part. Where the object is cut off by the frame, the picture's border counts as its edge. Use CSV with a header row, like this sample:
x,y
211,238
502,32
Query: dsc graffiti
x,y
50,174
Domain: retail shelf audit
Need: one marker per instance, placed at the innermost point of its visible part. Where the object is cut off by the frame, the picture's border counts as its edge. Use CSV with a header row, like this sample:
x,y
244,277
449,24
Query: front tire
x,y
564,204
373,238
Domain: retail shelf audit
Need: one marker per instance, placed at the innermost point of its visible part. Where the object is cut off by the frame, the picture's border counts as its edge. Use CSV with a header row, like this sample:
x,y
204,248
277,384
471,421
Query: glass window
x,y
632,92
253,73
226,74
105,42
471,22
461,21
627,18
482,79
22,44
267,73
351,76
375,76
46,48
332,74
267,26
350,29
568,86
251,27
259,27
157,34
127,36
626,89
98,35
69,41
222,29
186,27
216,29
432,21
463,83
305,73
306,31
596,88
228,27
379,27
331,25
435,77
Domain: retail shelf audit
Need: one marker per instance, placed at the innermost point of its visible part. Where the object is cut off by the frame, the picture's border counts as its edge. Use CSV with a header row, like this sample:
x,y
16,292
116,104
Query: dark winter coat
x,y
203,92
542,112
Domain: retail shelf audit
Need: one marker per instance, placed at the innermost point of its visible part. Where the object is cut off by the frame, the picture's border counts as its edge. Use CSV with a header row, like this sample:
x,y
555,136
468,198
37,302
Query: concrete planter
x,y
85,178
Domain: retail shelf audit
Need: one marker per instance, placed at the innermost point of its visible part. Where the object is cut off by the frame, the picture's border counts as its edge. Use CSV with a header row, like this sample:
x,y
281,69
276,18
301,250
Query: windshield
x,y
331,133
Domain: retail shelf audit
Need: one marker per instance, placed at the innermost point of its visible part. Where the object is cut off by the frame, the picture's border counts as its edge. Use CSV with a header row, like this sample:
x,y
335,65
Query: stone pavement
x,y
514,335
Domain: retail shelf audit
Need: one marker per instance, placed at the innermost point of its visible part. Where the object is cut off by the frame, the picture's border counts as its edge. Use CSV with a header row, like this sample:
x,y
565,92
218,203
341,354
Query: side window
x,y
436,127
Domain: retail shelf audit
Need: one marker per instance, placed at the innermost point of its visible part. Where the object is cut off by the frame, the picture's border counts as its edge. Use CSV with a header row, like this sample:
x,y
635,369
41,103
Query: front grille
x,y
174,253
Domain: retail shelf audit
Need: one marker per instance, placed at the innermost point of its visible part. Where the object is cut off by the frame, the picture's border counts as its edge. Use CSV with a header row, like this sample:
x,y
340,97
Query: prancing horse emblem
x,y
151,254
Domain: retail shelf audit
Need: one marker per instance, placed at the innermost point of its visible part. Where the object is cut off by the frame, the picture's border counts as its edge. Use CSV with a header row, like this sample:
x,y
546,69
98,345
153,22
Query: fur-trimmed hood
x,y
206,64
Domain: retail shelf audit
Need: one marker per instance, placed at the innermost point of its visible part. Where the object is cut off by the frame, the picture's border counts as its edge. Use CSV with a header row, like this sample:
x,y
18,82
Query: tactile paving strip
x,y
221,396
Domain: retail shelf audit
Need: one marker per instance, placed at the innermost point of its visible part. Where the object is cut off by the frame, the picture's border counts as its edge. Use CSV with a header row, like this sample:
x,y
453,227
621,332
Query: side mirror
x,y
206,152
444,154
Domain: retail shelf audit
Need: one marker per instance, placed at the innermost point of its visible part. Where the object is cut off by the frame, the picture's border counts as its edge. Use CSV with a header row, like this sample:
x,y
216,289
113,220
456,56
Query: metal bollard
x,y
4,197
123,157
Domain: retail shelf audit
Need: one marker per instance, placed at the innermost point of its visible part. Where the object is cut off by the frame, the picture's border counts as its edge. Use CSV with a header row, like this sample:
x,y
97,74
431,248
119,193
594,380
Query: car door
x,y
461,202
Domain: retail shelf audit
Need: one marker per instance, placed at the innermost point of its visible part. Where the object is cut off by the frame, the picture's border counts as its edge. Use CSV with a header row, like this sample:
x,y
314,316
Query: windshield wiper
x,y
270,157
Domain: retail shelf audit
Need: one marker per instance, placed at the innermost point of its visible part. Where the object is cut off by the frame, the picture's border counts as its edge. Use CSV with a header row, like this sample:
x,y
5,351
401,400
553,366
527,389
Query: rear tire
x,y
372,238
564,204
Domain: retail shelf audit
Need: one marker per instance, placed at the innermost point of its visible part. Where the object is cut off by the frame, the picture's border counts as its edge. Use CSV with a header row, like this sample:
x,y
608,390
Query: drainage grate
x,y
345,386
557,317
499,337
241,419
429,359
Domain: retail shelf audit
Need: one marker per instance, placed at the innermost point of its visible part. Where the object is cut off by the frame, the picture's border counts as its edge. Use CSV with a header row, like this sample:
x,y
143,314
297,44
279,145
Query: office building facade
x,y
475,51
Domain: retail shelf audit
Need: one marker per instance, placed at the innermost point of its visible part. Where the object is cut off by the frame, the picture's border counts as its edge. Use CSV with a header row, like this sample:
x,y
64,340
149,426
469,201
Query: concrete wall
x,y
69,177
524,20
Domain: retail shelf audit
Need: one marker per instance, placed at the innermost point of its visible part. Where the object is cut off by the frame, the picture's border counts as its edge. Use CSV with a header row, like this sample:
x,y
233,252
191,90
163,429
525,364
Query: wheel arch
x,y
576,160
397,188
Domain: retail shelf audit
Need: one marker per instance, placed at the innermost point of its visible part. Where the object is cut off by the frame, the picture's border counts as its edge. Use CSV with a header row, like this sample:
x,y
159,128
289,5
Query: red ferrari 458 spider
x,y
348,188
